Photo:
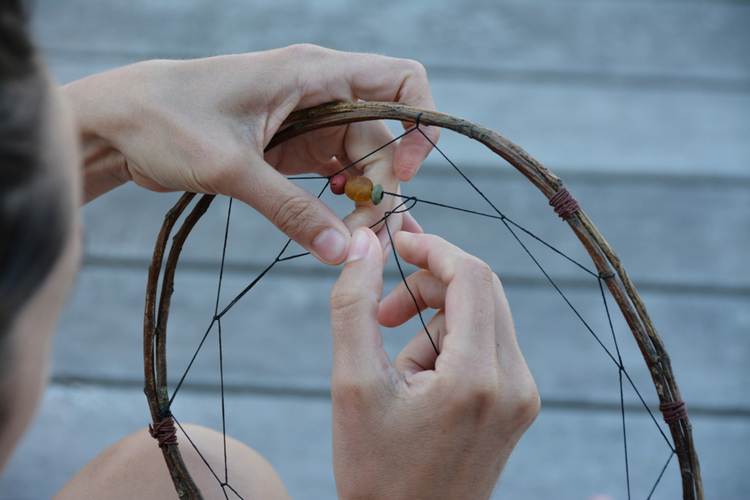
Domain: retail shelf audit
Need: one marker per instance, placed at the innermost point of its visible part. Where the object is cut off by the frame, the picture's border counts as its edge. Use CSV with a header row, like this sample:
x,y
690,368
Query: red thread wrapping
x,y
674,411
564,204
164,432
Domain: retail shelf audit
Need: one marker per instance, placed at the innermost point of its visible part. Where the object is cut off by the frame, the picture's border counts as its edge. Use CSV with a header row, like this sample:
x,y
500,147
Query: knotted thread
x,y
673,411
164,432
564,204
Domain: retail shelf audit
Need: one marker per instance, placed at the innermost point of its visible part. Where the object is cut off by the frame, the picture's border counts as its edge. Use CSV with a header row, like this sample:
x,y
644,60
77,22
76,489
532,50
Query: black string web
x,y
492,215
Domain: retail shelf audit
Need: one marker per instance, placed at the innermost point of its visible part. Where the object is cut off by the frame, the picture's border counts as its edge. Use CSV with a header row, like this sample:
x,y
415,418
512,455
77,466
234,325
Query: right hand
x,y
427,426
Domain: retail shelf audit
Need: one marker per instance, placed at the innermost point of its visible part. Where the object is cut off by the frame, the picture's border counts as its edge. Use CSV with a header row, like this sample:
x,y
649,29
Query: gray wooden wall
x,y
643,108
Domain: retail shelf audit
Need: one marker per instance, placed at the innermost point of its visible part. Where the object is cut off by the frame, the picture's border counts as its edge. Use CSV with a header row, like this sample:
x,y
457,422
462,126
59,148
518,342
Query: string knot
x,y
564,204
164,432
674,411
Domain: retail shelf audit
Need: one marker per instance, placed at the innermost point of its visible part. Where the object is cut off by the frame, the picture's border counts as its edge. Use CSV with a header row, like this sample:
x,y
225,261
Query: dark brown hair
x,y
33,218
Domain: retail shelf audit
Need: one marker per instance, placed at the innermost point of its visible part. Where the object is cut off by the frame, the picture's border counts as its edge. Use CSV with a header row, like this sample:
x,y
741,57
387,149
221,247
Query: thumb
x,y
296,212
355,298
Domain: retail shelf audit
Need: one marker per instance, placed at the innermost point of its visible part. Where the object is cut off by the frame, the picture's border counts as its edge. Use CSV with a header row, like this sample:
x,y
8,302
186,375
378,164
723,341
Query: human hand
x,y
202,126
427,426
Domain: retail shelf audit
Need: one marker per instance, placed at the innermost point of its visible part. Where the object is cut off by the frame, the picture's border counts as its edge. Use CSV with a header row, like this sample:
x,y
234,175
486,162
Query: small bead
x,y
377,194
338,184
359,188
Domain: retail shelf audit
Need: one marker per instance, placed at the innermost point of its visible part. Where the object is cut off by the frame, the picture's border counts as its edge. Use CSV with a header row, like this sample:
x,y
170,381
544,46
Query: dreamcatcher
x,y
609,274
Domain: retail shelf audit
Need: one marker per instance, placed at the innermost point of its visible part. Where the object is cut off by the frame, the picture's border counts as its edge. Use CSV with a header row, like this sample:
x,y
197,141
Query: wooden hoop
x,y
328,115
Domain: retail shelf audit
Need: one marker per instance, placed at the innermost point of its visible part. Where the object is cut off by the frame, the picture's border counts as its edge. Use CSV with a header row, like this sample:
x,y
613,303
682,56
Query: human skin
x,y
427,425
134,468
202,126
30,339
181,126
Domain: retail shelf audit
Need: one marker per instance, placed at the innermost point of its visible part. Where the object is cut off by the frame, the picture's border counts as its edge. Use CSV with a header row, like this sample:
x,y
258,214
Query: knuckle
x,y
496,280
478,402
478,270
528,402
483,399
491,400
292,213
344,298
418,69
347,306
306,50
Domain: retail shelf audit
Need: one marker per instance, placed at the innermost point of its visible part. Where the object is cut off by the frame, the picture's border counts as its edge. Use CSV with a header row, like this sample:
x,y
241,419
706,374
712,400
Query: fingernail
x,y
359,246
330,245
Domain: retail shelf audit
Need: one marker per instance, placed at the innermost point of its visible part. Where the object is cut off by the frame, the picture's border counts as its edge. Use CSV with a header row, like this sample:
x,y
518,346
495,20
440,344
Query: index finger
x,y
368,142
409,80
470,294
370,77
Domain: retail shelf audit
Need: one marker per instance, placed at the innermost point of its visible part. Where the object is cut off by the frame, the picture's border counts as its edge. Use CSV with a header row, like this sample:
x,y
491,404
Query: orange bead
x,y
359,188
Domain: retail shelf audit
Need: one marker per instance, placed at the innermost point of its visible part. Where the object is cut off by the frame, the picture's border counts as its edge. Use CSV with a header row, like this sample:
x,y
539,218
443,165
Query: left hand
x,y
202,126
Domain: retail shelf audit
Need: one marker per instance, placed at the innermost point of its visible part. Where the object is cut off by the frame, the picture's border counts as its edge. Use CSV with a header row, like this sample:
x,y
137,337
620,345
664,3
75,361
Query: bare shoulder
x,y
134,468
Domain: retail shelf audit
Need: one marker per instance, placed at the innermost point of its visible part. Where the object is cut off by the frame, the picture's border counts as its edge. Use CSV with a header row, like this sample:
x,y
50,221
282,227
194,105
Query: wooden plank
x,y
567,453
581,128
577,454
277,338
694,40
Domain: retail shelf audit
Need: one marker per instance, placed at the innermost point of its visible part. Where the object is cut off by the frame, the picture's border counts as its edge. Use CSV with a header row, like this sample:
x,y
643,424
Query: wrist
x,y
105,114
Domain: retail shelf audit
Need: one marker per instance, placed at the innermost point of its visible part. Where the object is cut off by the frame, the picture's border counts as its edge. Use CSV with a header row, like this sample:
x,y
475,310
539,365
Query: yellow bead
x,y
359,188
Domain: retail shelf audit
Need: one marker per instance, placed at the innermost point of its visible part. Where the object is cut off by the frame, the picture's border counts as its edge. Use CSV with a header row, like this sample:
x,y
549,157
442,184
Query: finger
x,y
505,333
370,77
419,354
351,76
391,226
412,151
296,212
431,252
365,141
472,319
357,343
470,292
320,151
410,224
398,220
404,81
399,306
